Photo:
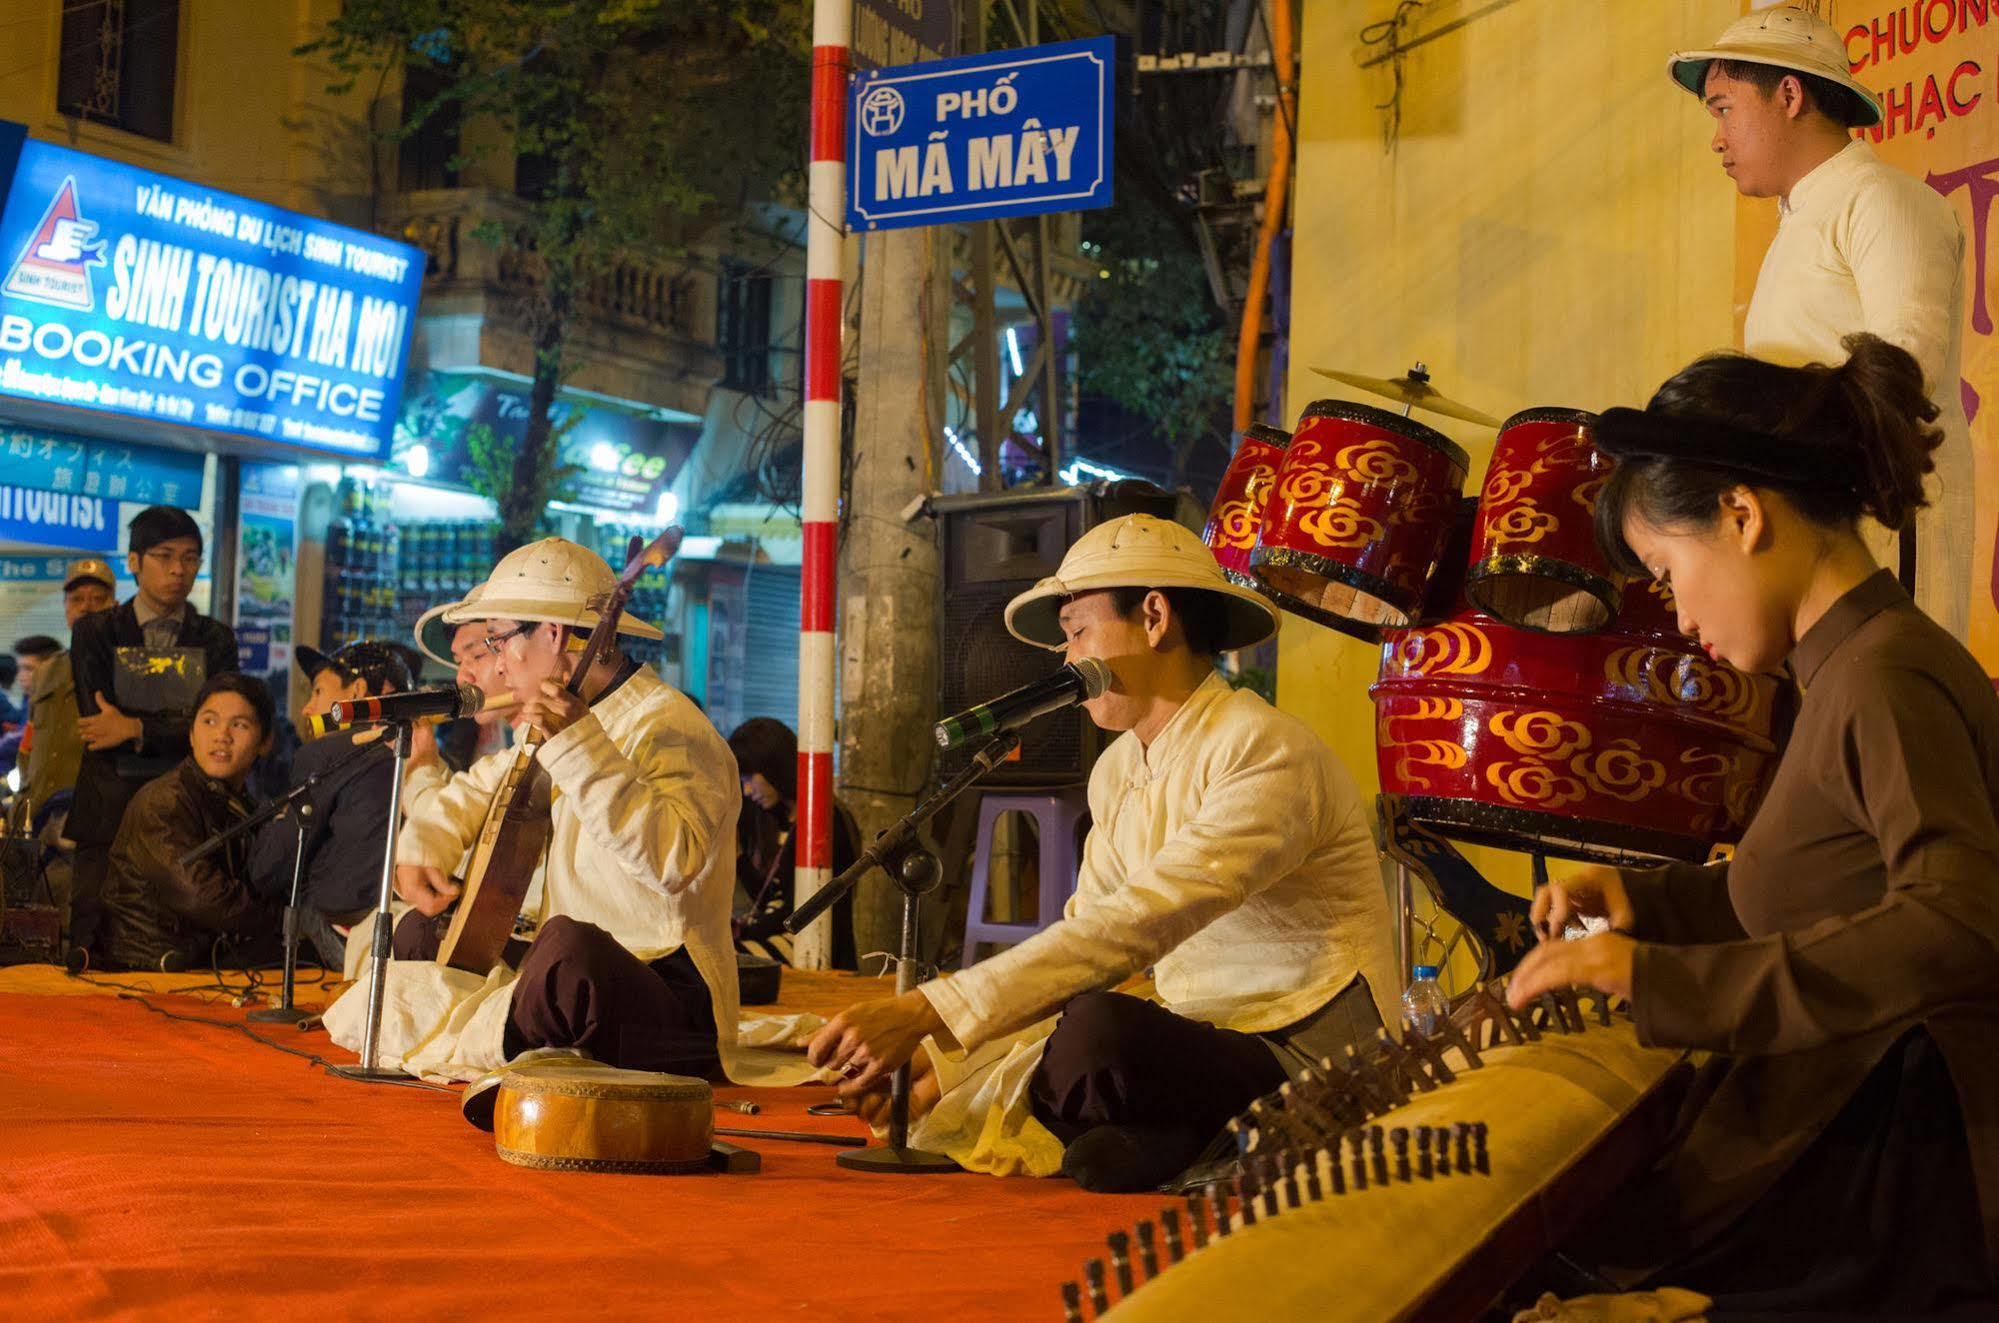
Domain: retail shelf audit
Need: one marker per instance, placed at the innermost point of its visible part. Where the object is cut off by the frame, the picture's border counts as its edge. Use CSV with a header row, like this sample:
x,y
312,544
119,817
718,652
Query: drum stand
x,y
369,1070
914,870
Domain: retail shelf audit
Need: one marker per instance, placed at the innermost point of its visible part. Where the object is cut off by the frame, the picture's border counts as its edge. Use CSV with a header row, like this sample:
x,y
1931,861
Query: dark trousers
x,y
576,987
1118,1060
88,869
93,830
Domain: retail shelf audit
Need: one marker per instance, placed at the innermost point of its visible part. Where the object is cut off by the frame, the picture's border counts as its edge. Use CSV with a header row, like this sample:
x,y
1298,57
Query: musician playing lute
x,y
1839,1161
630,956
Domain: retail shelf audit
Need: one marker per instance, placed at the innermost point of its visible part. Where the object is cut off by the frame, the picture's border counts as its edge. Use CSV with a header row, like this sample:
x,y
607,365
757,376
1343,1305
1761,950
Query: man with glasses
x,y
139,667
630,958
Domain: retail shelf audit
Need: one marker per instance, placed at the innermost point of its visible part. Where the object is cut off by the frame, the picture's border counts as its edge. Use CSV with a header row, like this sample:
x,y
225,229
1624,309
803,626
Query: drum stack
x,y
1528,697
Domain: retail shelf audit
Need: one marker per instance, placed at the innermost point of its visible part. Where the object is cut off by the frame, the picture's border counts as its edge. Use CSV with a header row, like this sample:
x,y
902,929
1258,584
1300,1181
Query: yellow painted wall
x,y
249,117
1550,229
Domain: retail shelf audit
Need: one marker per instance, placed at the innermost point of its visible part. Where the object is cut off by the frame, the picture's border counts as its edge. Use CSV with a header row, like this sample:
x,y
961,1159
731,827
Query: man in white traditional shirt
x,y
1860,246
631,958
1229,852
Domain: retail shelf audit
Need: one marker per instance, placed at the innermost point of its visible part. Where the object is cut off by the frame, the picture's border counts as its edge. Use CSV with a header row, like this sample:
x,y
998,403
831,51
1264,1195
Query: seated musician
x,y
1230,853
442,753
767,846
160,913
630,959
349,820
1843,963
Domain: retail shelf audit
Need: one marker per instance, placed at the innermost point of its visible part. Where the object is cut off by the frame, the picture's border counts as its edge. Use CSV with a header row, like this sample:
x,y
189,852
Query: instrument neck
x,y
594,673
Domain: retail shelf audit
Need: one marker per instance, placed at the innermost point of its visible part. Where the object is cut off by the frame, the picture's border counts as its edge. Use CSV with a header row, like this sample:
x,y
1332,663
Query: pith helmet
x,y
1784,37
433,632
554,580
1138,551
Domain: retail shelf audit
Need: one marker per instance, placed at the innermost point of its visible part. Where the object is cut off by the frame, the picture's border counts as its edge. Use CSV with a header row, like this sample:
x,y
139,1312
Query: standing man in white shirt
x,y
1229,852
1860,246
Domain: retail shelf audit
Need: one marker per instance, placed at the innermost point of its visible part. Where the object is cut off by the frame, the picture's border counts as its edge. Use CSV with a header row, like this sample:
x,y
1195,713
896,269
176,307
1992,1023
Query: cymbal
x,y
1414,390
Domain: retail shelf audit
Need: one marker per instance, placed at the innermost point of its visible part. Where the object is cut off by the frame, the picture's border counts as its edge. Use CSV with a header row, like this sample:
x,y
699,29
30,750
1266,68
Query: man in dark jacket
x,y
349,821
159,912
138,669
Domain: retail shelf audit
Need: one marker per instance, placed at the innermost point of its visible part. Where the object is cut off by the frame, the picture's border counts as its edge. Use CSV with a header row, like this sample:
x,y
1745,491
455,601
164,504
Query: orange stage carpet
x,y
151,1168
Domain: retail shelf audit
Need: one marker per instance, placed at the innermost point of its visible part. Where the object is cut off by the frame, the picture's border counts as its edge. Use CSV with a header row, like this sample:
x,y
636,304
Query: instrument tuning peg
x,y
1100,1300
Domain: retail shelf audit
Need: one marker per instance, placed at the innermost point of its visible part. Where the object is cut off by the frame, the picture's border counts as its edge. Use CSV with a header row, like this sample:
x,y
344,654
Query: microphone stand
x,y
369,1070
286,1012
298,797
898,853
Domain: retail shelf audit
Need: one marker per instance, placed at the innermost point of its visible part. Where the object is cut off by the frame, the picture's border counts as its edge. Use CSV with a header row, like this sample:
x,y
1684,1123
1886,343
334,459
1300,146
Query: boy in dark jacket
x,y
349,822
138,669
159,912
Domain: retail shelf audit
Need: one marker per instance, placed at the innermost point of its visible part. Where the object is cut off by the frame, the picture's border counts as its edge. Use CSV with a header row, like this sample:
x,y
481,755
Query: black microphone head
x,y
470,699
1095,675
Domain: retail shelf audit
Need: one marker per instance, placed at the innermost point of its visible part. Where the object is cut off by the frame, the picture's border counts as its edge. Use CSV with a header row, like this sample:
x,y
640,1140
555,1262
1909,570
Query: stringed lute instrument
x,y
518,823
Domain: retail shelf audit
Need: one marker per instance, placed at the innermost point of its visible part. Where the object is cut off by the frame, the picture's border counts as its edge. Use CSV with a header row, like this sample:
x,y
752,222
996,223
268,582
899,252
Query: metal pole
x,y
1050,414
1405,922
286,1012
378,965
832,22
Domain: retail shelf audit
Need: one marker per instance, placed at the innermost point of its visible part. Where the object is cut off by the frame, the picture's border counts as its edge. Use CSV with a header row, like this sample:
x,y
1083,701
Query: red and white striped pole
x,y
825,242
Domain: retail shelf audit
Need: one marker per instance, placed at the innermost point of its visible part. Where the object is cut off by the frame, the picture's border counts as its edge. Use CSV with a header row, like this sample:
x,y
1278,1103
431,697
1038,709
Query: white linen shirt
x,y
1863,246
1233,856
643,845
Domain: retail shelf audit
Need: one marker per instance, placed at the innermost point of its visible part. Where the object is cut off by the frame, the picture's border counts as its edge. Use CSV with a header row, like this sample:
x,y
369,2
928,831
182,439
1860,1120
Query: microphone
x,y
445,702
1075,683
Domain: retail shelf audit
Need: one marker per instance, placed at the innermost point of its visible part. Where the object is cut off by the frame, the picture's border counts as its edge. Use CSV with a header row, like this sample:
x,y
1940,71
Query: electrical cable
x,y
312,1057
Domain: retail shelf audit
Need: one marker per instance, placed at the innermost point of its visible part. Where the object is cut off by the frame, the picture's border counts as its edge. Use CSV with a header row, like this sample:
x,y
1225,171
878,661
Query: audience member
x,y
139,667
766,849
161,913
55,750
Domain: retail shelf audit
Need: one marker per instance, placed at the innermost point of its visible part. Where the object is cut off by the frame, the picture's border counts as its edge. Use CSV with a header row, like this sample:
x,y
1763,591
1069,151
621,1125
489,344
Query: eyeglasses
x,y
187,560
495,642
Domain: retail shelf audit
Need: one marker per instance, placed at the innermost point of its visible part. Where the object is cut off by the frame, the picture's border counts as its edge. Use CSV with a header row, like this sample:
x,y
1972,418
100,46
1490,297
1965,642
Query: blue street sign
x,y
1013,133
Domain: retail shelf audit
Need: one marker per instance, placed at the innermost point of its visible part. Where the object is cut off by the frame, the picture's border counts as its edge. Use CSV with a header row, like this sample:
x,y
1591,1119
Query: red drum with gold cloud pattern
x,y
1535,562
1237,514
1625,744
1355,526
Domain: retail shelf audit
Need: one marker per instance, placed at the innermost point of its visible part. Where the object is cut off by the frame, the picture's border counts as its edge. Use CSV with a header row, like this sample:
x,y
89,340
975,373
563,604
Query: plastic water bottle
x,y
1424,1005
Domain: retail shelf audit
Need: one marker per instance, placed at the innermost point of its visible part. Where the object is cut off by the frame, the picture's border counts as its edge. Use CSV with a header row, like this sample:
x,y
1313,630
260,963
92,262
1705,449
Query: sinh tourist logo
x,y
54,267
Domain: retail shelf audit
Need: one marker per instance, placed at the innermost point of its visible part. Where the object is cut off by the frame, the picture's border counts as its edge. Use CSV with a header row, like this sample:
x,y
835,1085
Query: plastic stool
x,y
1056,816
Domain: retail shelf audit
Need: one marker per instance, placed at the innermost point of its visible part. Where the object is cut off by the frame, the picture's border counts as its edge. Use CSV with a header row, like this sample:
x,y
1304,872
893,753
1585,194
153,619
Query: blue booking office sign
x,y
1012,133
129,292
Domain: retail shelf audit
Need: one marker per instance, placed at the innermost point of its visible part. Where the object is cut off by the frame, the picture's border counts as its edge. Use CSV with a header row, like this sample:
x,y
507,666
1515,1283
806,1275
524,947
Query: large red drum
x,y
1354,528
1535,562
1628,744
1237,514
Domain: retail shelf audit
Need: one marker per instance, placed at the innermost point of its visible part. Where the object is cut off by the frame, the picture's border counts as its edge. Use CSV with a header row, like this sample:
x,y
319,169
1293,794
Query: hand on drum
x,y
424,889
1602,962
1595,892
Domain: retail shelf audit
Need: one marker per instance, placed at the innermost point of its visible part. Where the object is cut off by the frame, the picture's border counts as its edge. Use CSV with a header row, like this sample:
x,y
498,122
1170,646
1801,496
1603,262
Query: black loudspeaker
x,y
994,546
